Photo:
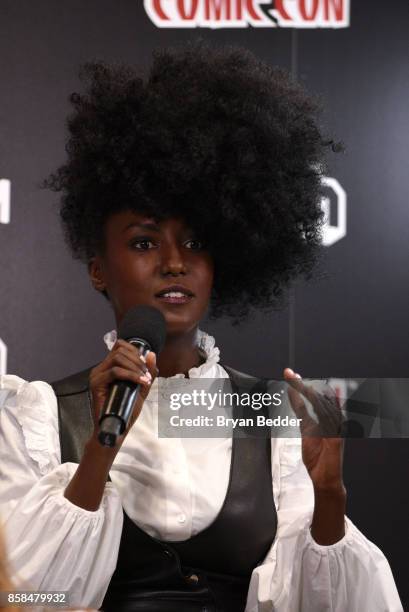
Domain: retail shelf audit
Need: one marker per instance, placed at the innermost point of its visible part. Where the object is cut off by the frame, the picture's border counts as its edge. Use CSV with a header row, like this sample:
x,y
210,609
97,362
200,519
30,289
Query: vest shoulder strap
x,y
75,418
73,384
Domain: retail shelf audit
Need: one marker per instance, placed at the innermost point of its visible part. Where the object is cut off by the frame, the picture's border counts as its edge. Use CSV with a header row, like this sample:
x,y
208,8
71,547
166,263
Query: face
x,y
143,258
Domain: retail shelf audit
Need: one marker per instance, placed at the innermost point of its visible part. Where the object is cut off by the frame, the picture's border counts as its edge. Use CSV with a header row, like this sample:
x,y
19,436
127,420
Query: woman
x,y
198,186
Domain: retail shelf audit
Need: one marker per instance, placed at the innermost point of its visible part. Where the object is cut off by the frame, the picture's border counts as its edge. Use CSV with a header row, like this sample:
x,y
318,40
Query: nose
x,y
172,260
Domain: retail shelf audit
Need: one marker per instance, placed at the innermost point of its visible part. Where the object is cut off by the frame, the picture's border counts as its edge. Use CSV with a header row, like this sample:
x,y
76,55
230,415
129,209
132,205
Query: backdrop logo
x,y
3,357
334,205
4,201
4,218
245,13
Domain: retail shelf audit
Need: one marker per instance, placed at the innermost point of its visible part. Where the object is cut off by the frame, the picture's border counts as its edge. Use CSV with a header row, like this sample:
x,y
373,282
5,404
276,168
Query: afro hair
x,y
212,135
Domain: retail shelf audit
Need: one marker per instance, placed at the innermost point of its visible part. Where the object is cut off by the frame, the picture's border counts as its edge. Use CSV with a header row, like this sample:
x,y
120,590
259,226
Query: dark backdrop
x,y
350,322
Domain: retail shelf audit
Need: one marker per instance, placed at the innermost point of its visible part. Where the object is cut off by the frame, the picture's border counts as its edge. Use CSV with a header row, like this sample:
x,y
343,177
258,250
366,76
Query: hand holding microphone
x,y
120,384
118,387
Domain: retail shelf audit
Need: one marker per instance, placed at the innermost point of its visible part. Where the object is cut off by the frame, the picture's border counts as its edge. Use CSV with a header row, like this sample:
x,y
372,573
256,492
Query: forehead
x,y
126,220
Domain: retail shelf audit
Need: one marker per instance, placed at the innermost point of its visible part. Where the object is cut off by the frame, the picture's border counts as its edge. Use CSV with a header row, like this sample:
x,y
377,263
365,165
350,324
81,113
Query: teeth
x,y
174,294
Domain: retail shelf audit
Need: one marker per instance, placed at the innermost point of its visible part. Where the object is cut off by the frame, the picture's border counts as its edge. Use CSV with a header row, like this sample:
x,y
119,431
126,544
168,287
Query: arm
x,y
87,486
328,519
63,522
300,575
322,455
51,543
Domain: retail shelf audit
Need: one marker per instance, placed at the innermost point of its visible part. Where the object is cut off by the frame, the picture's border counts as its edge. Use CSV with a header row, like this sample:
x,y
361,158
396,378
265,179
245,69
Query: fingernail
x,y
143,358
146,379
298,376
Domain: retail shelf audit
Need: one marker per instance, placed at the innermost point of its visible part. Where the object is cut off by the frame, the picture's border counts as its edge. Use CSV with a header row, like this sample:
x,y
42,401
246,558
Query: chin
x,y
179,325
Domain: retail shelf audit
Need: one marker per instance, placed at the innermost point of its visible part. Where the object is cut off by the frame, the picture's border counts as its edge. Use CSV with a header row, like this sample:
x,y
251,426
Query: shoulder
x,y
240,376
17,391
29,419
72,384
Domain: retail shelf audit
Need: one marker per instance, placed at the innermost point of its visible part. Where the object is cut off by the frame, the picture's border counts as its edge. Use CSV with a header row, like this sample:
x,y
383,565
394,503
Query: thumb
x,y
293,380
150,361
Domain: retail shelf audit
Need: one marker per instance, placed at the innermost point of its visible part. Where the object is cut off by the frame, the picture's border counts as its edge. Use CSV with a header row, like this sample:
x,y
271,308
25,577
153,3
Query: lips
x,y
175,294
175,289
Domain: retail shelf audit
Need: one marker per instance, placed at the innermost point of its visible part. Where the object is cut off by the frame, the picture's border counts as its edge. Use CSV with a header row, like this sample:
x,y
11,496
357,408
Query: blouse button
x,y
182,518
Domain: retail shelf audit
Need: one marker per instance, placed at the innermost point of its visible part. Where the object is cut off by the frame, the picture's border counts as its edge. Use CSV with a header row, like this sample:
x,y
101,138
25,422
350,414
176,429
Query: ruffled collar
x,y
206,344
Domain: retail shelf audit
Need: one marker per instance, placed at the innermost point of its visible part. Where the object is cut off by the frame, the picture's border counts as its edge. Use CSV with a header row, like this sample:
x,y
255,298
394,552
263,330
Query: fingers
x,y
307,425
118,372
297,383
124,350
327,409
297,403
124,362
325,405
127,356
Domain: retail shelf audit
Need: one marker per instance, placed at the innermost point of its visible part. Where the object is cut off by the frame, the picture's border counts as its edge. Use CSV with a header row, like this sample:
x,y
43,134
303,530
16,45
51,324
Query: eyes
x,y
146,244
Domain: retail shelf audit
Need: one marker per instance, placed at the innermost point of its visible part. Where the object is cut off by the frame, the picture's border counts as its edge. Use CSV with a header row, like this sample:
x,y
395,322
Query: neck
x,y
179,354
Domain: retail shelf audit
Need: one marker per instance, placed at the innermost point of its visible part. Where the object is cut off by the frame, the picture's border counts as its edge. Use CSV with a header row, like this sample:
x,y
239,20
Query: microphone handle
x,y
118,408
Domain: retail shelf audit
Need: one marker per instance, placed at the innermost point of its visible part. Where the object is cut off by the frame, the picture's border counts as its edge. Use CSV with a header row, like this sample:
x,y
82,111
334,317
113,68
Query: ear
x,y
95,271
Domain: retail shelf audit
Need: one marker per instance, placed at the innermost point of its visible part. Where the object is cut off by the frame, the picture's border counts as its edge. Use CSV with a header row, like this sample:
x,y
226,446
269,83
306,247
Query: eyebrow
x,y
150,226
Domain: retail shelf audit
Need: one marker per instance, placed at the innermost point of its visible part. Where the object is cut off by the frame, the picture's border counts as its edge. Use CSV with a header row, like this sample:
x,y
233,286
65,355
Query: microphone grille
x,y
144,322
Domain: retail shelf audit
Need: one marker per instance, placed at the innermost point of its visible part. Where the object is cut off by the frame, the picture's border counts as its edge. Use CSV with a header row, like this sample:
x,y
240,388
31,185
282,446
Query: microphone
x,y
144,327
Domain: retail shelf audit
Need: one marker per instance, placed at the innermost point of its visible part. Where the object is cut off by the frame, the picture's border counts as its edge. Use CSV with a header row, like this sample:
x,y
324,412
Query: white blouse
x,y
172,488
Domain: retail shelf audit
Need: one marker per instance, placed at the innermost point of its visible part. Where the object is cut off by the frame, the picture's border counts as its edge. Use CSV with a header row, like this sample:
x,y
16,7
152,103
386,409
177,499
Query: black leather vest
x,y
210,572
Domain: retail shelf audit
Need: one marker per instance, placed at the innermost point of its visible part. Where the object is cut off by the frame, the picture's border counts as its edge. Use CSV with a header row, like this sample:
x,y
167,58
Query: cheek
x,y
131,272
207,276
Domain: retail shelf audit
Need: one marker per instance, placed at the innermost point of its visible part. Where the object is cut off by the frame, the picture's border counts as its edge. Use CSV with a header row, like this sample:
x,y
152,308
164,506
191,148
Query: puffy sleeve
x,y
299,575
52,544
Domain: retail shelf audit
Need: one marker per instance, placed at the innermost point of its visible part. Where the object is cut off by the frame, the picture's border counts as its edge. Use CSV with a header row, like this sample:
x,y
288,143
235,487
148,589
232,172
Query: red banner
x,y
245,13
